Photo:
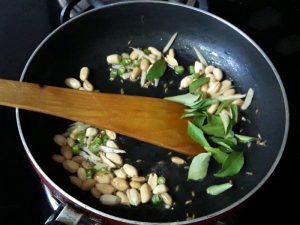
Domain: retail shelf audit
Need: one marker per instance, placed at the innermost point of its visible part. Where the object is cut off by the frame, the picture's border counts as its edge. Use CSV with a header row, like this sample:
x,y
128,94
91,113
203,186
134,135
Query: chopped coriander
x,y
89,173
121,70
147,51
80,137
191,69
179,70
125,62
76,149
156,200
113,74
161,180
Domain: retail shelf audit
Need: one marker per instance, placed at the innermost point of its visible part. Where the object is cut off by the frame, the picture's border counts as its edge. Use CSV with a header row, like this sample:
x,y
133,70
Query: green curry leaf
x,y
157,70
218,189
217,154
198,83
244,139
197,135
185,99
199,166
232,165
226,120
214,127
223,105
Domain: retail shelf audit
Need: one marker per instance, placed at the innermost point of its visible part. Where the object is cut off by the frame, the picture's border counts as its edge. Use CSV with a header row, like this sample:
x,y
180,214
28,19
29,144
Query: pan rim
x,y
199,219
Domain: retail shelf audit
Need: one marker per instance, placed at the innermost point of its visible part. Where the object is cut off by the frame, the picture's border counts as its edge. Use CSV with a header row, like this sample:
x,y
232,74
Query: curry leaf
x,y
157,70
199,120
223,105
244,139
225,119
189,110
202,105
228,143
235,114
198,83
197,135
199,166
218,189
186,99
232,165
217,154
191,114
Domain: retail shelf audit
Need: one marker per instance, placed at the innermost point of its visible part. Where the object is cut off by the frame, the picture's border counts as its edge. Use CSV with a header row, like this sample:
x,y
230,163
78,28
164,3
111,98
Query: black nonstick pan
x,y
88,39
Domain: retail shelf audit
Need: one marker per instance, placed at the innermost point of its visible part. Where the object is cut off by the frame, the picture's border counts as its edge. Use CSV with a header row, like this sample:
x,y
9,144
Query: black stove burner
x,y
76,7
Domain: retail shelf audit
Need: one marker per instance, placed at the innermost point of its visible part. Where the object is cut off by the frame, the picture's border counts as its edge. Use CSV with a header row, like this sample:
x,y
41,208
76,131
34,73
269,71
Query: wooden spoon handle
x,y
147,119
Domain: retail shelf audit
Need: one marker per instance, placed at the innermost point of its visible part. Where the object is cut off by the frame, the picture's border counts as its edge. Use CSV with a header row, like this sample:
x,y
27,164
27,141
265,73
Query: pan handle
x,y
203,4
66,215
65,12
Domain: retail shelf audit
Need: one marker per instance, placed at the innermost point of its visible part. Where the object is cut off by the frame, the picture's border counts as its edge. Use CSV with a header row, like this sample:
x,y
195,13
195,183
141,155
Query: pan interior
x,y
87,40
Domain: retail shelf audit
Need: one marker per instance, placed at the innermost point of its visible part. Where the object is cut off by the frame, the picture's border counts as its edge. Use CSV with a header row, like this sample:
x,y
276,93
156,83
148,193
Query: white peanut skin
x,y
111,200
84,73
130,170
72,83
113,59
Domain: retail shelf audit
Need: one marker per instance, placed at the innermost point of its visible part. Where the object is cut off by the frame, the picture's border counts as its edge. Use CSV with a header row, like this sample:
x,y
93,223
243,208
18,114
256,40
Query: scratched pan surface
x,y
87,40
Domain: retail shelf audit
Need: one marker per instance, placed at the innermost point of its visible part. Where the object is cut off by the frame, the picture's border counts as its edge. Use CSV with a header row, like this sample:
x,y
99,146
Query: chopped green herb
x,y
97,140
199,166
161,180
136,63
121,70
179,70
102,170
191,69
76,149
156,200
113,74
89,173
232,165
104,139
147,51
94,148
218,189
125,61
157,70
80,137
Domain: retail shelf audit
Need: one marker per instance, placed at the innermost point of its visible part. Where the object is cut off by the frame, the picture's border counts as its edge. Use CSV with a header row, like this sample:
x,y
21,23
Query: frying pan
x,y
87,39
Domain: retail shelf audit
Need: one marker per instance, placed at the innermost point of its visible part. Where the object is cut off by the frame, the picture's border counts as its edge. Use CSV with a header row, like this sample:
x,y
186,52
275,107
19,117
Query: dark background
x,y
274,25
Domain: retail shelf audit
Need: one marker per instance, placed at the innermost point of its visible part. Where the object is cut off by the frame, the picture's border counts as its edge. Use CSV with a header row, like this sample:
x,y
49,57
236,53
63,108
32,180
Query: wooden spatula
x,y
151,120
